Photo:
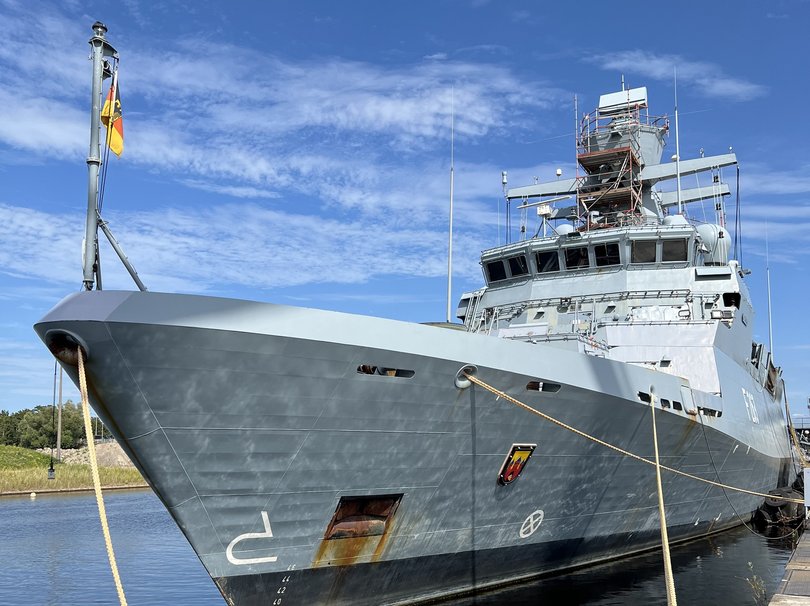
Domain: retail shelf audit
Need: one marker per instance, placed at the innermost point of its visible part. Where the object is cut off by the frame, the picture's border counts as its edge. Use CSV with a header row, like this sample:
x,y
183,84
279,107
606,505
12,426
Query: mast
x,y
768,277
450,237
101,70
677,147
576,138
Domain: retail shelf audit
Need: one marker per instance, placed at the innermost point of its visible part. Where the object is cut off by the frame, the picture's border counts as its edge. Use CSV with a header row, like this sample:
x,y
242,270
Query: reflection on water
x,y
52,553
722,569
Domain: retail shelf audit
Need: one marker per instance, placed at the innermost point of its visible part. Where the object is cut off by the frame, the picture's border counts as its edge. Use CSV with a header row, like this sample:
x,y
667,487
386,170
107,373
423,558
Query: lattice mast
x,y
612,145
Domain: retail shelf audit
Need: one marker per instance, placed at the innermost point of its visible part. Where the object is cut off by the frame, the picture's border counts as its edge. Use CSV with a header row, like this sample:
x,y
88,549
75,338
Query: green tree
x,y
8,428
36,428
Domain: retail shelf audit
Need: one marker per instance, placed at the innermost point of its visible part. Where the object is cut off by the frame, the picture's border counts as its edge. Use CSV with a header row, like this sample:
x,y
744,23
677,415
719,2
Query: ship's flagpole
x,y
101,70
450,237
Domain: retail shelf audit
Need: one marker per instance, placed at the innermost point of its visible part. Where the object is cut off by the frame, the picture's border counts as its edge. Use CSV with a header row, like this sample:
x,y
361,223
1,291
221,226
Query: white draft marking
x,y
267,534
531,524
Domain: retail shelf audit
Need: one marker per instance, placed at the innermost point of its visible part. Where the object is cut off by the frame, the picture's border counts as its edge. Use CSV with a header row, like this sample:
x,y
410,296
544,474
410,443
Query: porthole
x,y
544,386
371,369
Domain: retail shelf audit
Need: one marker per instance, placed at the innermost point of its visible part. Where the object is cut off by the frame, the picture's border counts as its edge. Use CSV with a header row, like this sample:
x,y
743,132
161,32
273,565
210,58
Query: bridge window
x,y
496,271
607,254
772,378
576,258
548,260
518,266
673,250
756,353
642,251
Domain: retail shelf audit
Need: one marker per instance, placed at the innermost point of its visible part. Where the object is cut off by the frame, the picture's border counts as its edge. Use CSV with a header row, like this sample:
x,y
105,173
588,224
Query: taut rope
x,y
102,513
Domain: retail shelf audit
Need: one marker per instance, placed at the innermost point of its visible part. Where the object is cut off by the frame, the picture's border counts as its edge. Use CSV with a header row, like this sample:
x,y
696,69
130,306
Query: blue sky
x,y
298,153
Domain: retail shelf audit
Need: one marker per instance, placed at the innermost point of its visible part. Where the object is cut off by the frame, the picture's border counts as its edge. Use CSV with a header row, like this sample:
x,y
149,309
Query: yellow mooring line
x,y
102,513
627,453
672,599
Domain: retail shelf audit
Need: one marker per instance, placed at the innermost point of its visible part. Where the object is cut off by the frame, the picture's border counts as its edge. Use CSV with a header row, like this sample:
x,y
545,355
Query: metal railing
x,y
593,124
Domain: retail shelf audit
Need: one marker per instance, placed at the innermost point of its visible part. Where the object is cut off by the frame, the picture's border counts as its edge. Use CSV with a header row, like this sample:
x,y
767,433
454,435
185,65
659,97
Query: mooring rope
x,y
672,599
627,453
102,513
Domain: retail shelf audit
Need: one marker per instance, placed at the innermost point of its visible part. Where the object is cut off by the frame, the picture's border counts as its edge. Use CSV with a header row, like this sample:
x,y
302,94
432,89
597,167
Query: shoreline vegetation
x,y
23,470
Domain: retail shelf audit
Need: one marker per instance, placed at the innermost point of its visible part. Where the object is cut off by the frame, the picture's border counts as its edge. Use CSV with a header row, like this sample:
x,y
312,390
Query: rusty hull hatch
x,y
358,531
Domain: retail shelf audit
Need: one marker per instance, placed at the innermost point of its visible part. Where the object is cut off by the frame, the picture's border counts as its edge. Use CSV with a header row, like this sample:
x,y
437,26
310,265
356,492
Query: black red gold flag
x,y
112,118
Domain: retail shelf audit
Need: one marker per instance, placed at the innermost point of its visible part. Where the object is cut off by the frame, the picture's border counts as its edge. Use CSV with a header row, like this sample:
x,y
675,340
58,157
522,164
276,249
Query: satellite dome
x,y
715,239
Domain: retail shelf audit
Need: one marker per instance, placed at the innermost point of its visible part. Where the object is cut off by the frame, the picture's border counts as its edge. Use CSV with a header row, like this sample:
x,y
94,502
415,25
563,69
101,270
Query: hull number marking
x,y
267,534
750,406
531,524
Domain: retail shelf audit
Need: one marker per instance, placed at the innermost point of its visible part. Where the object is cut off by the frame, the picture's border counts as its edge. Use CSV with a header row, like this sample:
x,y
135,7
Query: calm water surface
x,y
52,553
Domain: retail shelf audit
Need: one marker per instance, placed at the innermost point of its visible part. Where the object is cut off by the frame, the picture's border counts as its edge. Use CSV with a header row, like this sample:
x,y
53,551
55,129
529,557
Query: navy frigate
x,y
315,457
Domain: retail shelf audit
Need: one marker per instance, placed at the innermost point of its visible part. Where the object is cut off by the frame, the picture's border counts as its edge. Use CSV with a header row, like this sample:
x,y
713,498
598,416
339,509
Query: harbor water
x,y
52,553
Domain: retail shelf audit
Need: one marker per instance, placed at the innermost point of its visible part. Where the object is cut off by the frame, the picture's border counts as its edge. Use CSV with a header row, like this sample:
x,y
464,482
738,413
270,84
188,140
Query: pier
x,y
795,587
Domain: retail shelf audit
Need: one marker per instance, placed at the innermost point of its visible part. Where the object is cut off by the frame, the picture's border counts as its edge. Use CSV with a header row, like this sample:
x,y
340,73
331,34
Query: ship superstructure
x,y
623,274
315,457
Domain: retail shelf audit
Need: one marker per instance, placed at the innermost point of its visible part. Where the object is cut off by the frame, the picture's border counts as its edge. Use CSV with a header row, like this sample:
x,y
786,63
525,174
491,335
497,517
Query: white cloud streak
x,y
235,191
759,179
233,121
226,246
705,78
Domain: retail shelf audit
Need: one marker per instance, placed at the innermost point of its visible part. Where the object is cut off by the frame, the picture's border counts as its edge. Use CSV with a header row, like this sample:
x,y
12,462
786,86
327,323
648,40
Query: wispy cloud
x,y
706,78
27,375
236,191
42,126
523,16
787,235
778,212
329,128
206,249
760,179
487,49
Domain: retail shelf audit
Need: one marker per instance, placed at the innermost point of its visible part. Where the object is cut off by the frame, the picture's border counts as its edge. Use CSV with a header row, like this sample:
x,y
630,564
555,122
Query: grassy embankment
x,y
24,470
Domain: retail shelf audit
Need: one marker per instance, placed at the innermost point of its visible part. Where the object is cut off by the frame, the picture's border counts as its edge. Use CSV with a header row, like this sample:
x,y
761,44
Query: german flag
x,y
113,119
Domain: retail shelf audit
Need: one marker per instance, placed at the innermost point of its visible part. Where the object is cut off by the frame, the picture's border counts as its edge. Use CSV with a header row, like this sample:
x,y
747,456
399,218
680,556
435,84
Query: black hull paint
x,y
427,579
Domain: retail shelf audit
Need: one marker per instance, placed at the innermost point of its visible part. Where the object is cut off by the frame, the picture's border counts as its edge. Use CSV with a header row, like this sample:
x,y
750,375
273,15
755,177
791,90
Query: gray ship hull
x,y
251,422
